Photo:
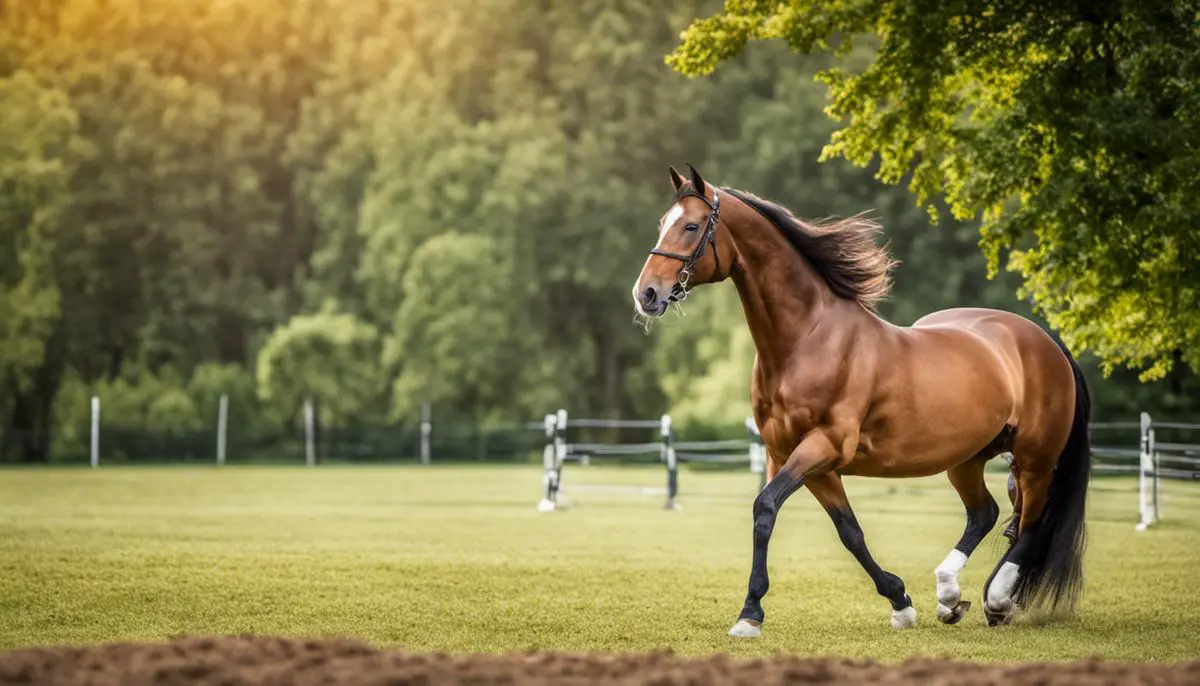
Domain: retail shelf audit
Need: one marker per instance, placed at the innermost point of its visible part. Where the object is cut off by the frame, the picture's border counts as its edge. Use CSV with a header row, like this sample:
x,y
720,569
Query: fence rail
x,y
103,441
558,450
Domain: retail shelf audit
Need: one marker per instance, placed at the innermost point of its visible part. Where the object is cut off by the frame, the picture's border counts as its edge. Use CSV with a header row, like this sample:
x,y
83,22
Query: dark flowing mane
x,y
843,251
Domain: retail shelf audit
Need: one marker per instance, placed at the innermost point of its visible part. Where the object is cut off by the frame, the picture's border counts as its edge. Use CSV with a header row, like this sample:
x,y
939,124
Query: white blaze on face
x,y
669,220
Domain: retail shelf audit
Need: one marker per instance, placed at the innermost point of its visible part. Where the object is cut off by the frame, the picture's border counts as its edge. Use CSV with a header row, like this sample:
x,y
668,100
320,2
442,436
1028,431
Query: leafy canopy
x,y
1072,130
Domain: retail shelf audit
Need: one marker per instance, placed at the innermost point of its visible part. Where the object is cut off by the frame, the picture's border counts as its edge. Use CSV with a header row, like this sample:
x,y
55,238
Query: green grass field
x,y
458,559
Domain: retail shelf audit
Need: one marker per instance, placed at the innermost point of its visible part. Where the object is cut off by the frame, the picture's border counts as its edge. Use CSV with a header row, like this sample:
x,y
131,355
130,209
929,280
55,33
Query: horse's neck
x,y
783,296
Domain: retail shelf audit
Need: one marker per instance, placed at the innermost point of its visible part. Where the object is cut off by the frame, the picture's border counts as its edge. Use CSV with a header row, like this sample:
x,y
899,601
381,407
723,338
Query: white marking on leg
x,y
999,595
904,619
946,574
746,629
948,592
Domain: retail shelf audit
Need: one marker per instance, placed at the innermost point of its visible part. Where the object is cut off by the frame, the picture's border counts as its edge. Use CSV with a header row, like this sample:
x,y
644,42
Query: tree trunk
x,y
33,410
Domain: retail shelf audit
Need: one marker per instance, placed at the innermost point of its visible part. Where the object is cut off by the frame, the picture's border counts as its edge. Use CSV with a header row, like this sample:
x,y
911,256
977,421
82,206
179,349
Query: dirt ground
x,y
261,660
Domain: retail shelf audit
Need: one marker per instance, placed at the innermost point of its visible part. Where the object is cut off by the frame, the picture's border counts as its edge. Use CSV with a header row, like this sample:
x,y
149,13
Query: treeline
x,y
389,203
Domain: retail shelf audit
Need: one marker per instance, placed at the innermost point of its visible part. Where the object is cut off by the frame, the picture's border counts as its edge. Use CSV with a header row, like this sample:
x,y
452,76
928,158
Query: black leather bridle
x,y
708,238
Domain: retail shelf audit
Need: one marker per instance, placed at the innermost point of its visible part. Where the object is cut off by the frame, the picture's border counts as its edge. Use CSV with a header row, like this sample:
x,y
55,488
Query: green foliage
x,y
383,206
138,399
444,336
36,163
1071,130
703,369
247,413
173,412
329,357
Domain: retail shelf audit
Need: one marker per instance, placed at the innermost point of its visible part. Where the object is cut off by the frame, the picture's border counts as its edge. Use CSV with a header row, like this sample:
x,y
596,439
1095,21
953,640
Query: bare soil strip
x,y
268,660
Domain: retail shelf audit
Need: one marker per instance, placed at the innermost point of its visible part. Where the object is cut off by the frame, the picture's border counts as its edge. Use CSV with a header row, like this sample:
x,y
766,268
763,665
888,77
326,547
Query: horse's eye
x,y
691,227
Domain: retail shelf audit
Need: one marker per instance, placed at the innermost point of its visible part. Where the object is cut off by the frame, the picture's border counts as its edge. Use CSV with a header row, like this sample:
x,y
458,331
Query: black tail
x,y
1052,565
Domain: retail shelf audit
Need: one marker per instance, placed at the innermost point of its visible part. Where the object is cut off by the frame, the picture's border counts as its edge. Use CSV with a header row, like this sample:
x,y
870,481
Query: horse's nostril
x,y
650,296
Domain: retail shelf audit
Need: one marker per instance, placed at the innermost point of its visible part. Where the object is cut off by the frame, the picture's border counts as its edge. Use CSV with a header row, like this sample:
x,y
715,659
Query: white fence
x,y
560,451
1130,448
1137,448
1151,450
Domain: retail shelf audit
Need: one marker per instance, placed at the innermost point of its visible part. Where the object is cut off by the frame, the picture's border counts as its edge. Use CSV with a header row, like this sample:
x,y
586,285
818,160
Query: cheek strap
x,y
709,237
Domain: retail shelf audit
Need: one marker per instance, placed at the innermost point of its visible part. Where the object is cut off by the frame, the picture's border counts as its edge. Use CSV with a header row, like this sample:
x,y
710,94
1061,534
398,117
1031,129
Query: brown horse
x,y
838,391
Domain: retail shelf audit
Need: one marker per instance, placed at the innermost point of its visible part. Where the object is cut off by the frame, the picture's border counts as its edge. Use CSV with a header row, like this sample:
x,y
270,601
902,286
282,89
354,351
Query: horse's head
x,y
693,247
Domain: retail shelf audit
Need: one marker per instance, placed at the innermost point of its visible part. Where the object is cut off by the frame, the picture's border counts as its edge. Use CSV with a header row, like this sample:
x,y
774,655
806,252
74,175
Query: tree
x,y
330,357
469,193
546,139
457,339
156,227
705,358
1071,129
38,152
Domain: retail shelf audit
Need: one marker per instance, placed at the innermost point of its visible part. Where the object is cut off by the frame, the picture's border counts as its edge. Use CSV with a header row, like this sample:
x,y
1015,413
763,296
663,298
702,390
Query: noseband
x,y
709,237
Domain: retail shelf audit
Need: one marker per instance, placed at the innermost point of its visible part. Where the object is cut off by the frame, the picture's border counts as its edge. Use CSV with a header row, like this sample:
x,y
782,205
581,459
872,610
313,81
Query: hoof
x,y
998,604
953,615
998,615
904,619
546,506
746,628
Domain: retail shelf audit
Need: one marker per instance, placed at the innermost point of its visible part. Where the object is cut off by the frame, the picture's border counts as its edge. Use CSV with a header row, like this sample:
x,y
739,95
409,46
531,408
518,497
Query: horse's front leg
x,y
828,491
814,454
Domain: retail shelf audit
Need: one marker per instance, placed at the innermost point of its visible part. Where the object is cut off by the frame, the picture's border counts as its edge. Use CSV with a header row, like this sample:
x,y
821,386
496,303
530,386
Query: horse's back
x,y
1018,338
970,317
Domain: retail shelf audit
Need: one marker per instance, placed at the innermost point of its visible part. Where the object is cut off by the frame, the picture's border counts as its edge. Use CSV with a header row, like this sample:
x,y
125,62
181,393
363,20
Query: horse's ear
x,y
676,179
697,182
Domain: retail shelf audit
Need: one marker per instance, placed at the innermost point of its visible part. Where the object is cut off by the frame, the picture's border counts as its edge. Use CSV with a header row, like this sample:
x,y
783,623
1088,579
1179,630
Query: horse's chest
x,y
783,428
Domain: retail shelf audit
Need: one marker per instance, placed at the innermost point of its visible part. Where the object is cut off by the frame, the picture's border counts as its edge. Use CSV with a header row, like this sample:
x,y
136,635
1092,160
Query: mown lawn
x,y
458,559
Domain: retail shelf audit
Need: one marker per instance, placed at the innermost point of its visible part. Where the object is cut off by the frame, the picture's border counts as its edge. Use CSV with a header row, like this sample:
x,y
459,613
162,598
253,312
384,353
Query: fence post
x,y
310,455
1147,476
560,450
222,427
668,457
426,431
758,453
1156,481
95,431
549,457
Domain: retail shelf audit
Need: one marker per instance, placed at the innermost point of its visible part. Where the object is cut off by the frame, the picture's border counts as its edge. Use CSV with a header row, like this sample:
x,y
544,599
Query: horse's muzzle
x,y
651,300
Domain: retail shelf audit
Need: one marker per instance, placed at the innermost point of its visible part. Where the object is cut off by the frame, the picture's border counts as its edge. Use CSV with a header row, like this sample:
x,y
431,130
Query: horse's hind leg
x,y
998,591
982,513
830,493
1014,498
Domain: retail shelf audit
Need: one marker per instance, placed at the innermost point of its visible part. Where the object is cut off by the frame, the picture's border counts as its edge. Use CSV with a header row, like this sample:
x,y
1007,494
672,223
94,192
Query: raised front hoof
x,y
746,628
998,617
904,619
953,615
